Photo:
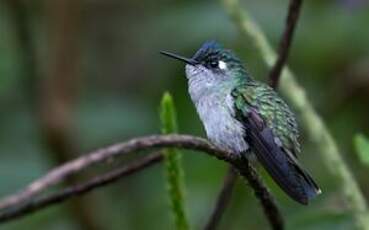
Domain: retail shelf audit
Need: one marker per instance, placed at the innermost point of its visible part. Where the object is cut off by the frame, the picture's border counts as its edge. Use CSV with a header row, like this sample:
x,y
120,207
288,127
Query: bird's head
x,y
211,64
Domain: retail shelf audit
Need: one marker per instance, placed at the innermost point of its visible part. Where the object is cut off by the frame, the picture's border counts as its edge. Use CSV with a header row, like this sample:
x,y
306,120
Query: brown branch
x,y
81,189
156,141
261,191
285,42
65,170
223,199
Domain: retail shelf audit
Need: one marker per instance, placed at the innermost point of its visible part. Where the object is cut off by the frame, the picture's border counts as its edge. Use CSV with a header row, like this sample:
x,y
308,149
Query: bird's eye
x,y
213,64
218,65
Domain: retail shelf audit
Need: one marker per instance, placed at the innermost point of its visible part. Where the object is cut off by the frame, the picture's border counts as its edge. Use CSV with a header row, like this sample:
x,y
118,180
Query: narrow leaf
x,y
174,171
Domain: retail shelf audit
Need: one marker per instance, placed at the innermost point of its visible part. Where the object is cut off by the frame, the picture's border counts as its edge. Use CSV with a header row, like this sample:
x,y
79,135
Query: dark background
x,y
78,75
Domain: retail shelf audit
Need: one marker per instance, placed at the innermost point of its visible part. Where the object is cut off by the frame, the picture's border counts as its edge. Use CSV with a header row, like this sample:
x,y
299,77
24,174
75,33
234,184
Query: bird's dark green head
x,y
213,56
213,65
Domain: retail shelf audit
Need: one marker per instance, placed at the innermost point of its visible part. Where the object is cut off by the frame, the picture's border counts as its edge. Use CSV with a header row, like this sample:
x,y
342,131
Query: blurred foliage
x,y
123,78
362,148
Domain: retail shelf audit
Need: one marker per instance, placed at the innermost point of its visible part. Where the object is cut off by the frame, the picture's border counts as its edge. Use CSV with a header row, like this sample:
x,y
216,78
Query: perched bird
x,y
246,117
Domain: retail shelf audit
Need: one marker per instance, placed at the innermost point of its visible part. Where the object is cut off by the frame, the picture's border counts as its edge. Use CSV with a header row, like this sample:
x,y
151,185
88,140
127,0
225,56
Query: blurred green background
x,y
78,75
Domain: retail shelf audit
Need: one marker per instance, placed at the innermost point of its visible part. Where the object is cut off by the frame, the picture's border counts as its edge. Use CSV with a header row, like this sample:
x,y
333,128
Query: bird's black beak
x,y
175,56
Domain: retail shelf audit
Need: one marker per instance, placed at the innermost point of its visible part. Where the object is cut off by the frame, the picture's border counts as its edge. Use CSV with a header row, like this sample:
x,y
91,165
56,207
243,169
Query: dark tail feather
x,y
282,166
309,185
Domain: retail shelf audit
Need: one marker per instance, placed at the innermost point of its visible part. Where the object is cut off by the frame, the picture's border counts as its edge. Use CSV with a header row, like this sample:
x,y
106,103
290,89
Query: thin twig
x,y
285,42
261,191
80,189
223,199
144,143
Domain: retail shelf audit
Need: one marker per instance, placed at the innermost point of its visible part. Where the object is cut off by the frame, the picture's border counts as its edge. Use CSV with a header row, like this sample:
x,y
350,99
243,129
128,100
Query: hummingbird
x,y
246,117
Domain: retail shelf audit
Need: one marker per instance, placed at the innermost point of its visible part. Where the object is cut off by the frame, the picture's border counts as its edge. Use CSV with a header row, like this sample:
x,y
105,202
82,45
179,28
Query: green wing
x,y
274,111
271,132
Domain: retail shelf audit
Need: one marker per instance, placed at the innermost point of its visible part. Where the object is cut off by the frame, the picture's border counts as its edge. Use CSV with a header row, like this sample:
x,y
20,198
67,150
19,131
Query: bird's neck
x,y
200,91
202,88
241,76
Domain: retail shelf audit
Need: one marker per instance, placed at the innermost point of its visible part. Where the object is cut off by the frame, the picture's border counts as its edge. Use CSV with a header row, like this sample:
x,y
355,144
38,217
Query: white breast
x,y
211,95
217,114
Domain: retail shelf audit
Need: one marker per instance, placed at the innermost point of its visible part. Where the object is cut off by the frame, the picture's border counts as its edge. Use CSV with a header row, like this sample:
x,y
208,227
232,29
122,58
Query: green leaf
x,y
362,148
174,171
168,114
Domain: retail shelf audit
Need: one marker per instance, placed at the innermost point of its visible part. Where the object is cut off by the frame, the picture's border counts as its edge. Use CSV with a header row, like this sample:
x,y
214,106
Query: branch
x,y
315,128
223,199
80,189
137,144
285,42
261,191
60,173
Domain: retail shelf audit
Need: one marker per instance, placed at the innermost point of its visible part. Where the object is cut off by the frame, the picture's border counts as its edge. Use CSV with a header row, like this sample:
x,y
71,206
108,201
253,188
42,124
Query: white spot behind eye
x,y
222,65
